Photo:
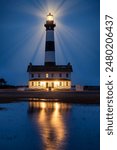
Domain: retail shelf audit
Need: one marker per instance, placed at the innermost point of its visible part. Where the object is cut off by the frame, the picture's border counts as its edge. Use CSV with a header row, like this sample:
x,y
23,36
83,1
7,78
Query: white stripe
x,y
50,35
49,56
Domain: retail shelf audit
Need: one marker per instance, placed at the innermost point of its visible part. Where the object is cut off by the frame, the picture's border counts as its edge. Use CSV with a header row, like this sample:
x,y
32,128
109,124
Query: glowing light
x,y
57,106
47,75
56,83
50,17
53,84
42,84
50,122
43,105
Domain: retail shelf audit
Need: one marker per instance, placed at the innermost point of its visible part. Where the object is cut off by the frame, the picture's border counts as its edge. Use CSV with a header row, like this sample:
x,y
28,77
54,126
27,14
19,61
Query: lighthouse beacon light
x,y
50,17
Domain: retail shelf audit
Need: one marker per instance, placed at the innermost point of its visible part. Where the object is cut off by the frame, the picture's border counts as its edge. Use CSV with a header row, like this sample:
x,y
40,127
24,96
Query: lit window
x,y
47,75
56,83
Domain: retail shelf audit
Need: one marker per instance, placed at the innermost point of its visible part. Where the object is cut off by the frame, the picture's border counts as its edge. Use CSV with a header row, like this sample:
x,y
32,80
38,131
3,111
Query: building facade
x,y
49,76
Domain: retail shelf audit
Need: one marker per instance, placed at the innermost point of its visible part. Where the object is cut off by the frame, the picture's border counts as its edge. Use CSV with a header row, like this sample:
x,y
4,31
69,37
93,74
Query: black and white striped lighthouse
x,y
50,45
50,76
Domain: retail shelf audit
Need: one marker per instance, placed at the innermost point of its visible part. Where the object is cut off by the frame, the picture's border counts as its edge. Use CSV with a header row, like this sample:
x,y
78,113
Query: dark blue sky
x,y
77,37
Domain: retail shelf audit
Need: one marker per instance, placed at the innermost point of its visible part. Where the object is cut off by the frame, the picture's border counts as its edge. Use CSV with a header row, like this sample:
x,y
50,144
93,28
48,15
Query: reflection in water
x,y
51,124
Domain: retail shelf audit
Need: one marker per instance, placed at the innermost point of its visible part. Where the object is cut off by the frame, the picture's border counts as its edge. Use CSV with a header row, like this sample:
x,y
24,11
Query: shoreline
x,y
87,97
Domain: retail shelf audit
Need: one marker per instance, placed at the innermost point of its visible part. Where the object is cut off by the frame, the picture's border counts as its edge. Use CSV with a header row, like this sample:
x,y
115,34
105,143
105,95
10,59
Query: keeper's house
x,y
49,76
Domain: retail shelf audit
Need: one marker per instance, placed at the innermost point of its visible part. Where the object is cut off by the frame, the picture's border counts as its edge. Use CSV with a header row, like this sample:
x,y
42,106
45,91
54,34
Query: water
x,y
49,126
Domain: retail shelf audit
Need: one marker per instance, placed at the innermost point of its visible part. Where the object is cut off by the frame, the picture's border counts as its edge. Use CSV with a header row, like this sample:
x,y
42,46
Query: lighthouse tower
x,y
49,45
49,76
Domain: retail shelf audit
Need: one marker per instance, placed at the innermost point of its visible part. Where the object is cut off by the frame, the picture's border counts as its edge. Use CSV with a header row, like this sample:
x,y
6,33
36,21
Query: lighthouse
x,y
50,76
50,44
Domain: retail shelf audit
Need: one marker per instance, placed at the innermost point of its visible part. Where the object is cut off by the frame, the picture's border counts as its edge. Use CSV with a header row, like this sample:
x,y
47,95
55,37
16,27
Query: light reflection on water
x,y
50,122
38,125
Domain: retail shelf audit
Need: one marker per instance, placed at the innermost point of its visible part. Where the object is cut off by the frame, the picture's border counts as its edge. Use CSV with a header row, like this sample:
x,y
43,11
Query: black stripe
x,y
50,46
50,63
50,26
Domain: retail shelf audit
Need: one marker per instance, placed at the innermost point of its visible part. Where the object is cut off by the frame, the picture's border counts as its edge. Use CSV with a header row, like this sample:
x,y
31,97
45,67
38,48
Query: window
x,y
32,75
38,83
52,75
47,75
32,83
67,75
60,75
39,75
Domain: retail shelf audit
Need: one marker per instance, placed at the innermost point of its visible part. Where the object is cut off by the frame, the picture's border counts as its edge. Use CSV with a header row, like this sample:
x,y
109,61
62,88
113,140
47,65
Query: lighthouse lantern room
x,y
49,76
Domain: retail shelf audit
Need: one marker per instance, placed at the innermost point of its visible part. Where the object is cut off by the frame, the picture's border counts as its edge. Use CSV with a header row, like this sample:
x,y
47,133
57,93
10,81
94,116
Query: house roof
x,y
53,68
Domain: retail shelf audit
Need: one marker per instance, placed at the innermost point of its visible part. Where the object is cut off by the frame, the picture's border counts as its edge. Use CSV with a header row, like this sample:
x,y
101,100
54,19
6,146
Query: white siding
x,y
50,75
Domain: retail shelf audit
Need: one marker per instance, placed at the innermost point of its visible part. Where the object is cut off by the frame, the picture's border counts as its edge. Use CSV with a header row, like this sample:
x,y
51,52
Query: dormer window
x,y
39,75
60,75
52,75
67,75
47,75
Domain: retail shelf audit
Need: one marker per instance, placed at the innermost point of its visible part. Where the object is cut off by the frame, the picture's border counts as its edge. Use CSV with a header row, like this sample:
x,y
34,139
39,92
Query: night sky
x,y
77,37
